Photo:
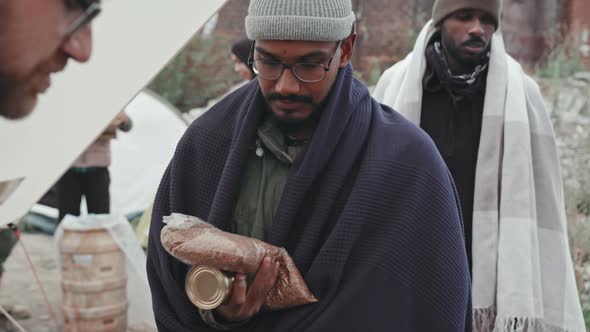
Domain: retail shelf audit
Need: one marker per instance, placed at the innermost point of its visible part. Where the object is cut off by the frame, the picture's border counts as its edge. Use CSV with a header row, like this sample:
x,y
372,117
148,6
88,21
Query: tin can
x,y
208,287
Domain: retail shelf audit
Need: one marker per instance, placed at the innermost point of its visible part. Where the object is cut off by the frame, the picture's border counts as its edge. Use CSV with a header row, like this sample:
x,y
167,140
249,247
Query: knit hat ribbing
x,y
444,8
312,20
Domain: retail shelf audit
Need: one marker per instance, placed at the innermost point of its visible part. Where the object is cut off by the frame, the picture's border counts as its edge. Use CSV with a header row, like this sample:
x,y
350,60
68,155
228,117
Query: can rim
x,y
192,288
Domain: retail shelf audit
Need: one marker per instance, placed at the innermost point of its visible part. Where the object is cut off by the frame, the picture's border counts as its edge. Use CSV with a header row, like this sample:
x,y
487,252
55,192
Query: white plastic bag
x,y
140,314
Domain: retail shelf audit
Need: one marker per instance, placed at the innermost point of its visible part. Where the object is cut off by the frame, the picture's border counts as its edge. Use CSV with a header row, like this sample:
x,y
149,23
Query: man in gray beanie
x,y
303,158
488,120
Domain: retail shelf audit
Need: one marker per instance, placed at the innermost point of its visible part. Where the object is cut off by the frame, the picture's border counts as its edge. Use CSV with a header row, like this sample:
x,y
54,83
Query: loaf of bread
x,y
197,243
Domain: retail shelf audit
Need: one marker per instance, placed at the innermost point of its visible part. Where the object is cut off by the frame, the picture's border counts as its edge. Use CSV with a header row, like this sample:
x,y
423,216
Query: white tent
x,y
141,155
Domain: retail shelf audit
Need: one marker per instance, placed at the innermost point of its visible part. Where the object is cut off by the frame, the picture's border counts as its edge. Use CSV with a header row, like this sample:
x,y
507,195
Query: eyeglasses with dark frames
x,y
90,9
306,72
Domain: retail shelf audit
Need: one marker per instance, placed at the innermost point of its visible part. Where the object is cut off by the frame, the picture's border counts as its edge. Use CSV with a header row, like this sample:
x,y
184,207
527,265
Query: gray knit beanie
x,y
443,8
313,20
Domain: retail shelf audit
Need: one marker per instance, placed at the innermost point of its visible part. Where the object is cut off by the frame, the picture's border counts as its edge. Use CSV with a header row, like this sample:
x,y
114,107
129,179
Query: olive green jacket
x,y
263,182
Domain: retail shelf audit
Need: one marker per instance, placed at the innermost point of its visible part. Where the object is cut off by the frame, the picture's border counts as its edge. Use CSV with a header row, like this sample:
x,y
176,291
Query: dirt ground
x,y
19,286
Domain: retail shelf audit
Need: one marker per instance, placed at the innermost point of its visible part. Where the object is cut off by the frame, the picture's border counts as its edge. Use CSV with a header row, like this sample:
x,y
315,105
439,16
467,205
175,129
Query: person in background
x,y
240,51
489,122
89,175
239,56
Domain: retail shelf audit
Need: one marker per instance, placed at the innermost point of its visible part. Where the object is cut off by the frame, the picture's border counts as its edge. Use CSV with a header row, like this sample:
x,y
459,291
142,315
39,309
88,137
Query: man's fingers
x,y
238,296
245,302
233,309
263,283
275,274
272,276
238,300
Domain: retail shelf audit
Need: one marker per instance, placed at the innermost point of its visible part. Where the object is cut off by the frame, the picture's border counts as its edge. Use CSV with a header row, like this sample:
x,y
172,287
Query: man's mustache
x,y
475,42
289,98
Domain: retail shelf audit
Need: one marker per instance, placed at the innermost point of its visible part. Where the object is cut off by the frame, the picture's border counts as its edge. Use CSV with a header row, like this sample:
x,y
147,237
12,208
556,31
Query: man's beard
x,y
454,52
15,101
289,123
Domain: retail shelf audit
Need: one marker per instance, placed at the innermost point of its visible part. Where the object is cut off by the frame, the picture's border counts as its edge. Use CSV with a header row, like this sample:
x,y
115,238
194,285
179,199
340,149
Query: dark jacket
x,y
452,118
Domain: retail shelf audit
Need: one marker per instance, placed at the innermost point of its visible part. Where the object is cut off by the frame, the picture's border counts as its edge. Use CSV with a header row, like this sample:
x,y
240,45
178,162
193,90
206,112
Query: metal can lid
x,y
207,287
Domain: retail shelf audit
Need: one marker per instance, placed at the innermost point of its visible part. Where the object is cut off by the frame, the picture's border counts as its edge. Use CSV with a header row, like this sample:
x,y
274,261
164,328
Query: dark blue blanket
x,y
369,214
